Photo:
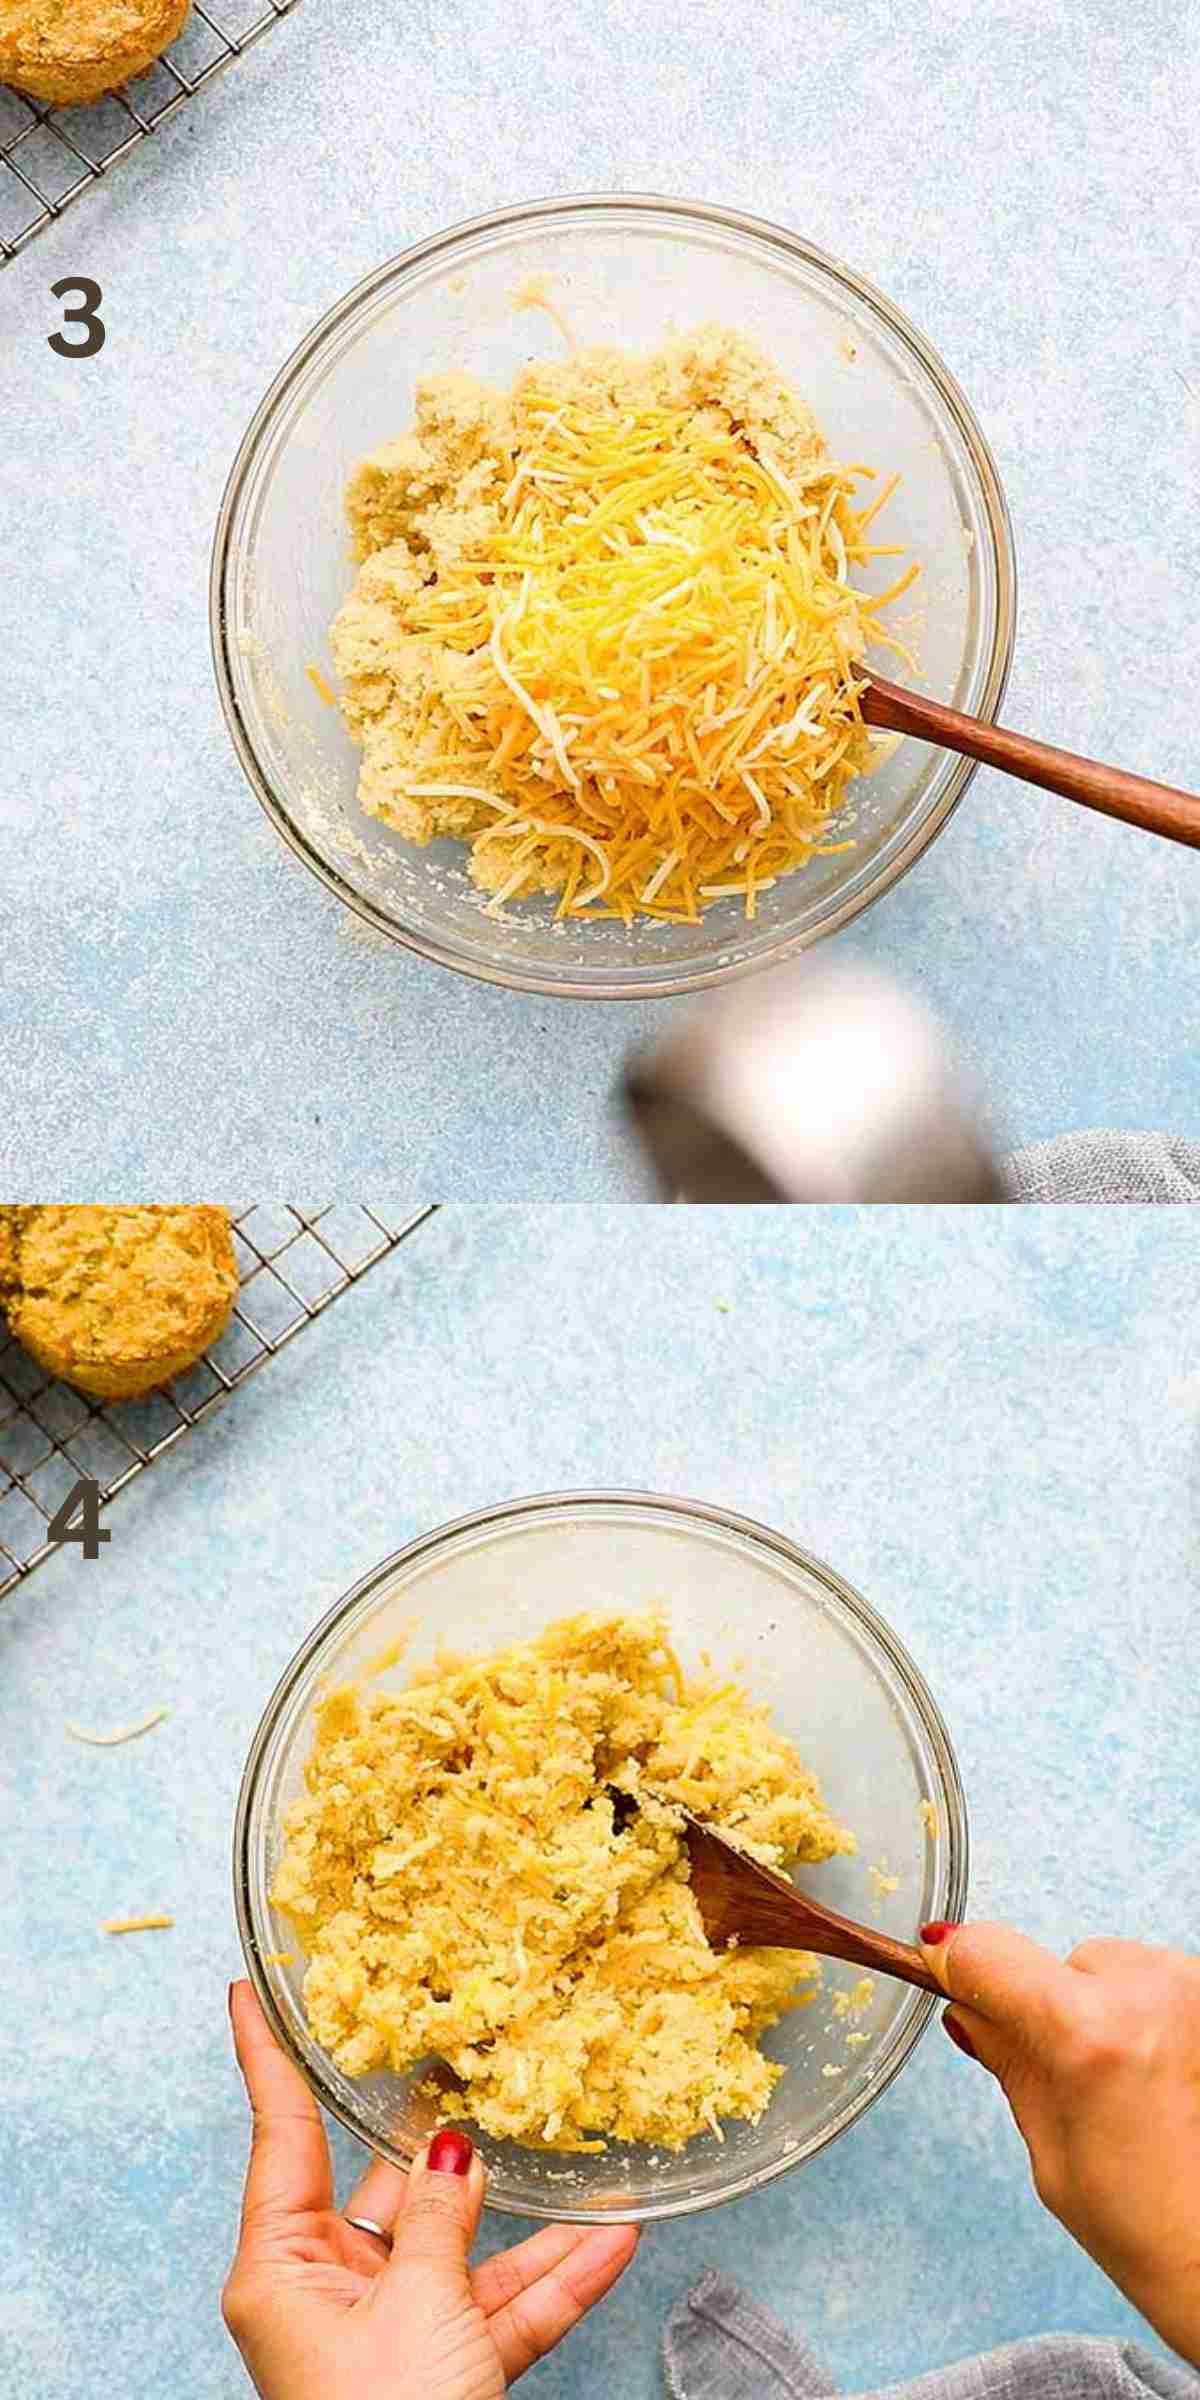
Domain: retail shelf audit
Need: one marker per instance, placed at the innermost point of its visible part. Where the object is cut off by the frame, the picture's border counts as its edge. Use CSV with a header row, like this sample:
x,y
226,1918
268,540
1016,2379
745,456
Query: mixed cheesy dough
x,y
471,1885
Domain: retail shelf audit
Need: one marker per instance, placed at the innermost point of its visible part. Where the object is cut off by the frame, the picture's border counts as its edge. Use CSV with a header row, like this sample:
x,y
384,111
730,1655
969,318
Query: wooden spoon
x,y
743,1902
1157,807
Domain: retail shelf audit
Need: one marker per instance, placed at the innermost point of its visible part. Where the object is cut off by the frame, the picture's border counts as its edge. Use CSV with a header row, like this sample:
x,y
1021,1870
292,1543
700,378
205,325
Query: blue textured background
x,y
988,1421
174,988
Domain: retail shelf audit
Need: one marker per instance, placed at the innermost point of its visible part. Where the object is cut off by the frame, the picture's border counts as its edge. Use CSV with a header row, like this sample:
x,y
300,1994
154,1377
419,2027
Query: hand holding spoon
x,y
1157,807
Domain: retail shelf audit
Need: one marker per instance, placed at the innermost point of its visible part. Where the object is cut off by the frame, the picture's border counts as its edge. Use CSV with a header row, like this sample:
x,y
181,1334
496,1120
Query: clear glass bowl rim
x,y
843,1594
700,212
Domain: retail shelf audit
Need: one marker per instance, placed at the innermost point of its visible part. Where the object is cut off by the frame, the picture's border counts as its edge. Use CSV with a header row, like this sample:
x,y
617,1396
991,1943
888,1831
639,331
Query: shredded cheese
x,y
146,1924
121,1733
393,1651
646,647
535,293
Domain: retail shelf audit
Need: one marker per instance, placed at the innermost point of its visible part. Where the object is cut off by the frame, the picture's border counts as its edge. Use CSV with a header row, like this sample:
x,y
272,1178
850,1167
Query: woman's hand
x,y
322,2311
1100,2064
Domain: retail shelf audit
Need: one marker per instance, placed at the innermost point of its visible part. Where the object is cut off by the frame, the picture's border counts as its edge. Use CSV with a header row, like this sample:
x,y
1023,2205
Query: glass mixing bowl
x,y
837,1682
625,271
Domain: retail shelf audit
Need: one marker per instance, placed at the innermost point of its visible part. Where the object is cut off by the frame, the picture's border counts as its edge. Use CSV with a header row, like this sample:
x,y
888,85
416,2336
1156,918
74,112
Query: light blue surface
x,y
177,996
986,1421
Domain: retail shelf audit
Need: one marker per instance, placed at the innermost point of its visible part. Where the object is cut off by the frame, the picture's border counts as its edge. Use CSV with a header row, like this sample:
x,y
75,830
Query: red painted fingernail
x,y
936,1932
229,2001
962,2041
450,2153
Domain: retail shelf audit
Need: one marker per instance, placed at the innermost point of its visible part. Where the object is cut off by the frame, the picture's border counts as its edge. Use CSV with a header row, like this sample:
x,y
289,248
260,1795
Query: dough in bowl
x,y
488,1869
116,1300
68,50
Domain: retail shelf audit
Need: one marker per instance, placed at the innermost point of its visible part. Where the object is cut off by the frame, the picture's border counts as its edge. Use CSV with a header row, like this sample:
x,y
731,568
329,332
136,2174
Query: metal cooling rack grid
x,y
49,155
293,1262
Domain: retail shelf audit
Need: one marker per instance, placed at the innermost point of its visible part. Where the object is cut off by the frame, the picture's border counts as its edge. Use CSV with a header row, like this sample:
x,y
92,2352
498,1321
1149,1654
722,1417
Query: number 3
x,y
94,337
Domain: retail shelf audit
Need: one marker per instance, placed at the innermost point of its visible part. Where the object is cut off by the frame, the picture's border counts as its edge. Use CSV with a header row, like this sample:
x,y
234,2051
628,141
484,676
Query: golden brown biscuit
x,y
8,1249
67,50
117,1300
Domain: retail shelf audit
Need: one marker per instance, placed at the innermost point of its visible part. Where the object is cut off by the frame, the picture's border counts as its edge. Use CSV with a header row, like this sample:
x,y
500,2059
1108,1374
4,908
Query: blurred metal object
x,y
814,1083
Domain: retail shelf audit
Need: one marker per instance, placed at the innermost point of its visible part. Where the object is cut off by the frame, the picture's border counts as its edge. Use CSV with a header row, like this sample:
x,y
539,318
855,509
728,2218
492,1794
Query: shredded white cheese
x,y
121,1733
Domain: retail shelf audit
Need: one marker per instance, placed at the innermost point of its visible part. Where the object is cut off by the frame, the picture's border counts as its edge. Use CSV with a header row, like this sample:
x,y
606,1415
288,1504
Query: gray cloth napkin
x,y
1112,1168
720,2345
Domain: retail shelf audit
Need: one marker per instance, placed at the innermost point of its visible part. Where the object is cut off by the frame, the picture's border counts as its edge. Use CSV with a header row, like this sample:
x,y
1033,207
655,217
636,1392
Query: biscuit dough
x,y
467,1889
70,50
116,1300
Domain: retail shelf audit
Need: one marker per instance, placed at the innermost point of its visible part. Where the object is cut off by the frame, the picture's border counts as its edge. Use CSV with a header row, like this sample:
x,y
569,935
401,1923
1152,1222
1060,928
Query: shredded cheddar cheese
x,y
467,1888
606,630
146,1924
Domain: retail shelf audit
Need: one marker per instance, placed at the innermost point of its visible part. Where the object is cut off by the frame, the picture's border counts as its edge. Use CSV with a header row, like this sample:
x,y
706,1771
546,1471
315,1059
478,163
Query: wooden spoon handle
x,y
823,1930
1157,807
740,1897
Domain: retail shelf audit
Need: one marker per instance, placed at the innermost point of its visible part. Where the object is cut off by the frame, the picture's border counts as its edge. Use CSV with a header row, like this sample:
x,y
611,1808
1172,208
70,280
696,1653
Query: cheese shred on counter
x,y
467,1889
604,629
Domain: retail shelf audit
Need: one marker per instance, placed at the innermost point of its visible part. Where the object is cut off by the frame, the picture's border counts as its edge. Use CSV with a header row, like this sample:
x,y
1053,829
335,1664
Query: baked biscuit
x,y
117,1300
8,1257
67,50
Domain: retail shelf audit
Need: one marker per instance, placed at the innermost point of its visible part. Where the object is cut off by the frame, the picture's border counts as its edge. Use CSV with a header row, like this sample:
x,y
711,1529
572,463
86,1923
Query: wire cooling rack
x,y
48,156
292,1263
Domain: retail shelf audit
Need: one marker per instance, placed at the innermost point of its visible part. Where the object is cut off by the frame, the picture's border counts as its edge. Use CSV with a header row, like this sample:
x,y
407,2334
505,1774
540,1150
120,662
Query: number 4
x,y
89,1532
